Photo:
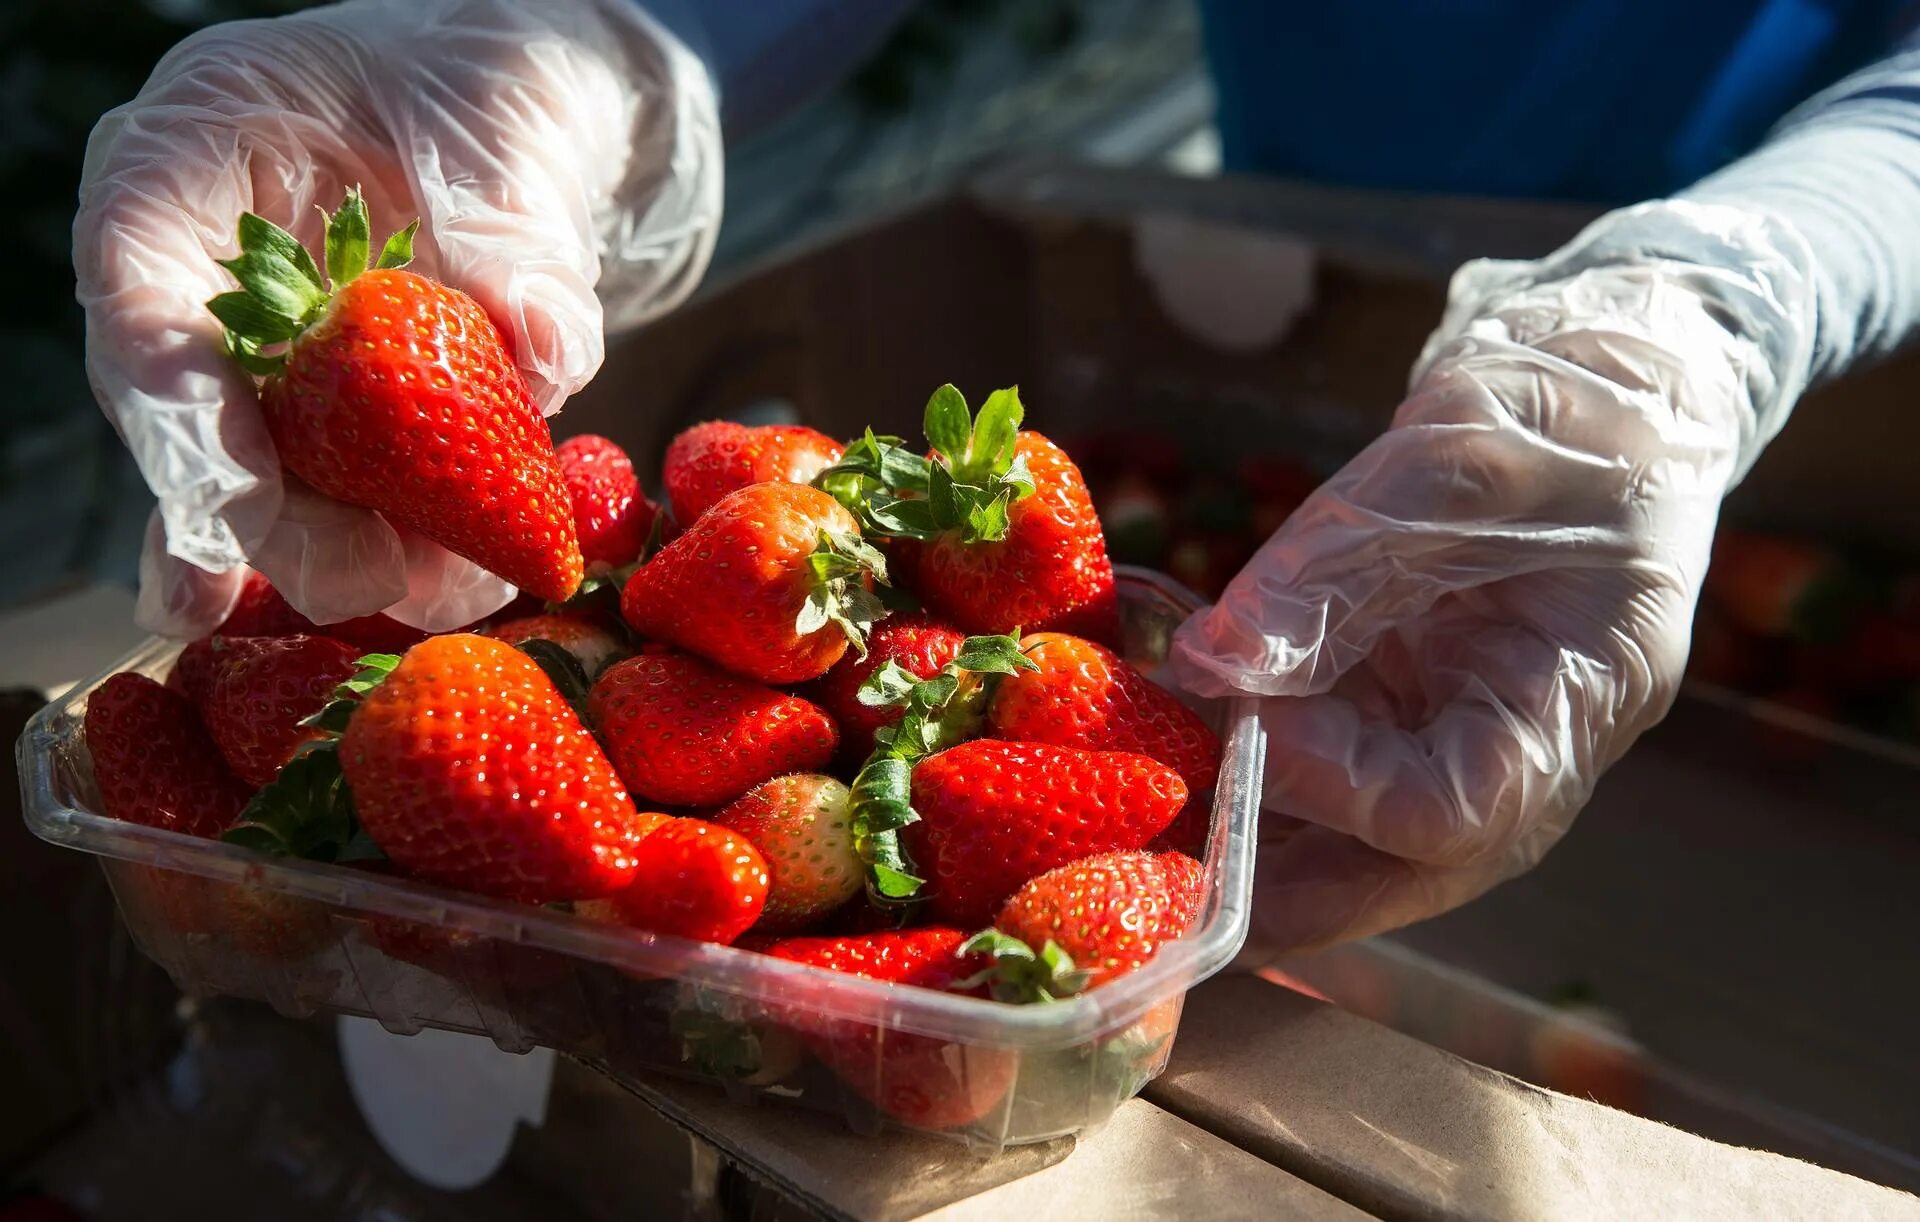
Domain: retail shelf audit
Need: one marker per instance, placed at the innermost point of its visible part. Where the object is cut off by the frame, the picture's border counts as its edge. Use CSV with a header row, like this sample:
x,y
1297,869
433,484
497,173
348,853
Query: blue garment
x,y
1604,101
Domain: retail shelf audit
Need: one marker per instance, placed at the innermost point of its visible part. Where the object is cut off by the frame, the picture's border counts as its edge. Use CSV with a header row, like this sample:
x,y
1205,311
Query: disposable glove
x,y
1481,612
564,159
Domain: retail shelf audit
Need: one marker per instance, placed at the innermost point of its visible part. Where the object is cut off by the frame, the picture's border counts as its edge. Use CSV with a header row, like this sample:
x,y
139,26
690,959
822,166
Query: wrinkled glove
x,y
564,159
1469,623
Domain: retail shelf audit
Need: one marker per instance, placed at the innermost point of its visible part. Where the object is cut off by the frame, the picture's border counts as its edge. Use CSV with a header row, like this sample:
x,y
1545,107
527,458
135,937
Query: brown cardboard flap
x,y
1406,1131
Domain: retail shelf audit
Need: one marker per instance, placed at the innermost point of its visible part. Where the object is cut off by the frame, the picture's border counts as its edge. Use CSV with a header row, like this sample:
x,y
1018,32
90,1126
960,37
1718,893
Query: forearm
x,y
1843,170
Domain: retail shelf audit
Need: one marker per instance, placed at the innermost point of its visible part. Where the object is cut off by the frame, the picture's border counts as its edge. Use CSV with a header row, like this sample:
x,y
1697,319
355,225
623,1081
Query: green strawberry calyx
x,y
843,567
1017,973
307,810
936,713
281,290
967,489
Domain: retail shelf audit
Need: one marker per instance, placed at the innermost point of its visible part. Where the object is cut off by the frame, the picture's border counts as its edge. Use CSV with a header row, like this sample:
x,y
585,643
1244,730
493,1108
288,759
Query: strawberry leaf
x,y
251,320
306,811
948,423
890,685
398,251
257,233
560,666
842,564
276,287
348,240
1020,975
990,449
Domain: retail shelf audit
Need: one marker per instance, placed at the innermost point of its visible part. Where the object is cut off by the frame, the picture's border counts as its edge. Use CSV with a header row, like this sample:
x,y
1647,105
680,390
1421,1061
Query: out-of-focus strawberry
x,y
264,611
801,825
691,879
1721,653
709,460
995,814
262,693
196,668
685,734
611,515
771,583
1780,587
918,643
153,761
398,393
468,768
592,644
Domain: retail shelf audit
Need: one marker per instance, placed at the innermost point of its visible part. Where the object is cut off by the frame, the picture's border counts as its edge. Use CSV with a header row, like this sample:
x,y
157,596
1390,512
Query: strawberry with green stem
x,y
386,389
773,583
1002,529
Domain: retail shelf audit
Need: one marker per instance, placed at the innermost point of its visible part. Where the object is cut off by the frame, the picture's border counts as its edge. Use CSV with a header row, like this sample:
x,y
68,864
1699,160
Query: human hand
x,y
1469,623
563,157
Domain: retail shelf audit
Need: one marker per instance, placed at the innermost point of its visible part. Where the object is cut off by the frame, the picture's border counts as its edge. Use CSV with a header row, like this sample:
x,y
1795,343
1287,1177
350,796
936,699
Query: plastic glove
x,y
564,158
1476,617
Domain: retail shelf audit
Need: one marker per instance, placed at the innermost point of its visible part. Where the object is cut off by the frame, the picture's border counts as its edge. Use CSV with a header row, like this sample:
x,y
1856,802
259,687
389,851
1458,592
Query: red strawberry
x,y
684,734
264,611
994,815
919,643
769,583
263,690
801,825
1110,913
154,763
1007,537
915,1079
1085,695
468,768
610,513
709,460
1775,586
592,643
196,668
398,393
691,879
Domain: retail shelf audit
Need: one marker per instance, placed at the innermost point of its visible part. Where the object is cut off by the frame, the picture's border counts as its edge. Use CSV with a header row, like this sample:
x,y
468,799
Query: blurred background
x,y
1724,941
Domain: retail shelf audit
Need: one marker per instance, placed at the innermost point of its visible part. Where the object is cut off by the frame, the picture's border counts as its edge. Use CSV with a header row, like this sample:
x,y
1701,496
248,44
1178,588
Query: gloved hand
x,y
1476,617
563,157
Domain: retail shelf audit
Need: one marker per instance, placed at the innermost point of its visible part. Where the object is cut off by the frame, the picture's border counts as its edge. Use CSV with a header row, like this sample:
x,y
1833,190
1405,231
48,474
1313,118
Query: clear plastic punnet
x,y
308,937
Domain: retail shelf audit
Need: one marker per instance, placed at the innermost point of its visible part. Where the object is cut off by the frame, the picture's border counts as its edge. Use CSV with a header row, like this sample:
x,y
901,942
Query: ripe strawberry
x,y
684,734
264,611
915,1079
1085,695
1110,913
262,692
154,763
610,513
801,825
592,644
398,393
994,815
469,769
709,460
769,583
1775,586
1006,533
920,644
691,879
196,668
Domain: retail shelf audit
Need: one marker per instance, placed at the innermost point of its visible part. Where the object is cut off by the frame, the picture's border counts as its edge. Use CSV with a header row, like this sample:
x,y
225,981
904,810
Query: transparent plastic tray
x,y
307,937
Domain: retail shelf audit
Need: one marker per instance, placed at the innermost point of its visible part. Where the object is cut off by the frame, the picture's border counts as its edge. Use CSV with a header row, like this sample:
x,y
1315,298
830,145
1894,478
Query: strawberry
x,y
993,815
1778,587
610,514
685,734
398,393
1006,534
769,583
264,691
918,643
801,825
264,611
709,460
196,668
469,769
154,763
691,879
1107,915
1085,695
591,643
915,1079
